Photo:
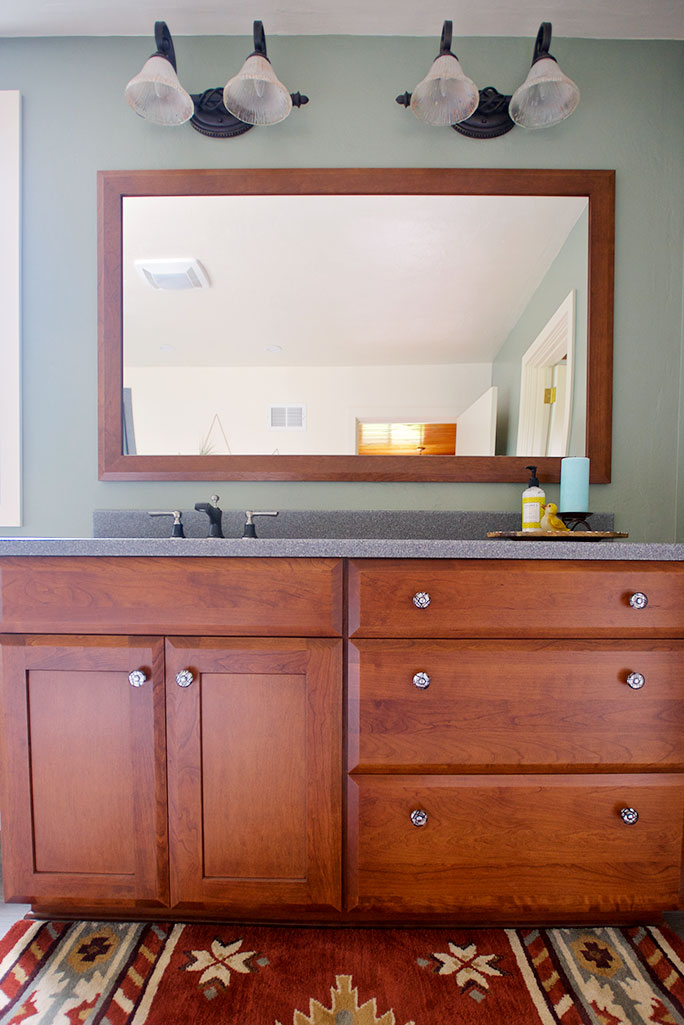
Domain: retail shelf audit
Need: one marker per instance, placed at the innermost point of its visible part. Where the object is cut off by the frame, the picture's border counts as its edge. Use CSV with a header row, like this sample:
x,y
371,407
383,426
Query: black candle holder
x,y
575,520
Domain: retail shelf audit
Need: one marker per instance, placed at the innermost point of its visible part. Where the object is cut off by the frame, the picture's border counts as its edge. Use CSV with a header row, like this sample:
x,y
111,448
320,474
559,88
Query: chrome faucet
x,y
214,513
249,529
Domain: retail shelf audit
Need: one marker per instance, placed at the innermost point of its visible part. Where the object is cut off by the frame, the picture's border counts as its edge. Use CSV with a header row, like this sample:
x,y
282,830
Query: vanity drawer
x,y
242,596
537,705
515,598
506,845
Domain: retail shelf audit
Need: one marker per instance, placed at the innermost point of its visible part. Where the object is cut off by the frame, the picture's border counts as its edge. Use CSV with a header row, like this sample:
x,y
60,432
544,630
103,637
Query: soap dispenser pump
x,y
533,500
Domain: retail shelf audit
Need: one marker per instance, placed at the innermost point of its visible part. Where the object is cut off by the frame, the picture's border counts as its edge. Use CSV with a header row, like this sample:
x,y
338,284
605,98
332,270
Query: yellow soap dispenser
x,y
533,501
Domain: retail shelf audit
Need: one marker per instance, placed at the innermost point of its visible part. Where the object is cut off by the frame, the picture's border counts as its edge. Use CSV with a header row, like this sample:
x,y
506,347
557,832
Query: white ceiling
x,y
613,19
338,280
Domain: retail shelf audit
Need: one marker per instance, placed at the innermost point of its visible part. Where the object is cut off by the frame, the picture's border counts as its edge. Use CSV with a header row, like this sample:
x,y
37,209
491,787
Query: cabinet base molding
x,y
345,919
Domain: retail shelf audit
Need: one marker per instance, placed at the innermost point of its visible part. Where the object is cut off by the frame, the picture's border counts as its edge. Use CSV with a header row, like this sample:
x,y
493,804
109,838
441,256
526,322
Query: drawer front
x,y
252,597
446,706
502,845
514,598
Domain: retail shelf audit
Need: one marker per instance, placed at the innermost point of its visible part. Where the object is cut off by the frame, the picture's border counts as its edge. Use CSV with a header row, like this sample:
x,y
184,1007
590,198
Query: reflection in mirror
x,y
311,322
354,324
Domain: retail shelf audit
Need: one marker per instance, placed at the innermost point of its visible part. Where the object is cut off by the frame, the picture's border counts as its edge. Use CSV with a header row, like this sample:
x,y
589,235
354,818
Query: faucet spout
x,y
214,513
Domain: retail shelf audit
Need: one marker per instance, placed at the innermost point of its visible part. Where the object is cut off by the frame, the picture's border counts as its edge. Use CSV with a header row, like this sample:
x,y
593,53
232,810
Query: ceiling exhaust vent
x,y
173,275
291,418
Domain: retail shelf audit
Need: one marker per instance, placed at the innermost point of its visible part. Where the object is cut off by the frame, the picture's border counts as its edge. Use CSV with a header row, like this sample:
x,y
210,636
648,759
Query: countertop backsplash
x,y
383,524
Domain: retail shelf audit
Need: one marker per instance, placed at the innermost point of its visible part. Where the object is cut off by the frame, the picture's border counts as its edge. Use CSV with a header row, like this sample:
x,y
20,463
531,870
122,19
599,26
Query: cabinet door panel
x,y
502,845
254,775
254,750
84,815
513,705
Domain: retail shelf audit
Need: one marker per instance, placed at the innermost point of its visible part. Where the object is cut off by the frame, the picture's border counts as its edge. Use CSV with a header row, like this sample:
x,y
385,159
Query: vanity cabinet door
x,y
254,753
83,791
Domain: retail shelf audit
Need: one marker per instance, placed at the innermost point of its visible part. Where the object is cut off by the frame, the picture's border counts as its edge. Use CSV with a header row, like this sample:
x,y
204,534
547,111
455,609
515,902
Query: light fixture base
x,y
212,119
490,120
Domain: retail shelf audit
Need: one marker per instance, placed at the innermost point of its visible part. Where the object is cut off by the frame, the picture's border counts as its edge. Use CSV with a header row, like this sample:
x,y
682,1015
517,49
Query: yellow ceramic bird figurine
x,y
550,521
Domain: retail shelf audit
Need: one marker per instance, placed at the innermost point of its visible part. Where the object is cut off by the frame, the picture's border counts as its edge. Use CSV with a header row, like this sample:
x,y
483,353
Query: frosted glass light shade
x,y
446,95
546,97
157,95
255,95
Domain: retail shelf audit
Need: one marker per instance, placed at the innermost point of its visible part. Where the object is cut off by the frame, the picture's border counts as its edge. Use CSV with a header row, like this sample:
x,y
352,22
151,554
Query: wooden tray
x,y
555,535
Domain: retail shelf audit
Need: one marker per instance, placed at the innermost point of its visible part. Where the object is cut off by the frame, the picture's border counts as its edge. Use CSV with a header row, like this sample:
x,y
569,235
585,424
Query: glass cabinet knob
x,y
419,817
137,678
421,599
184,678
421,680
629,815
638,600
636,680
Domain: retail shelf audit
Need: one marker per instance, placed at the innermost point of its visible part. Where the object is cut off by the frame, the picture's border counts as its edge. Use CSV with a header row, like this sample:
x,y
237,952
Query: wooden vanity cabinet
x,y
172,738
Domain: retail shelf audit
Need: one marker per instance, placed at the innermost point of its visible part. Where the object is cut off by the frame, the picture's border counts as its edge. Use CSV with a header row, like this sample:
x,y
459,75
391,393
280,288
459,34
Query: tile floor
x,y
10,913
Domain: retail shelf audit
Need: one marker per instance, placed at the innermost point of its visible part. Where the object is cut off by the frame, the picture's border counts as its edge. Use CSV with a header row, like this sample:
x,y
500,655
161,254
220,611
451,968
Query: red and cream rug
x,y
118,973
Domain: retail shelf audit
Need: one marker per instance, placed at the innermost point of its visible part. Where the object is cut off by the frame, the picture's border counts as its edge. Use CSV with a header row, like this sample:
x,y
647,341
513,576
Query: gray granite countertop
x,y
354,534
364,548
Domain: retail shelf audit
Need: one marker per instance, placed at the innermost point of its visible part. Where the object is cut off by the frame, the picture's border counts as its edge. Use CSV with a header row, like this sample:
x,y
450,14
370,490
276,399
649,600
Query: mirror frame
x,y
114,186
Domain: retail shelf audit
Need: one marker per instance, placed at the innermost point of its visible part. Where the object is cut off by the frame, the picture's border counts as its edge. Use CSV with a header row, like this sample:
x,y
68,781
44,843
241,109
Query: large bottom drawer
x,y
507,845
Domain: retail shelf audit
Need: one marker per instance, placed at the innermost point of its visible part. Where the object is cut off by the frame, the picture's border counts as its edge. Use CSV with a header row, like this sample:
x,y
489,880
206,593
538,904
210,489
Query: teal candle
x,y
574,488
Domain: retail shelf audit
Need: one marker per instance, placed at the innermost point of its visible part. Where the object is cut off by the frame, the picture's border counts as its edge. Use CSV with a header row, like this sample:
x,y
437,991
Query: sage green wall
x,y
76,122
568,270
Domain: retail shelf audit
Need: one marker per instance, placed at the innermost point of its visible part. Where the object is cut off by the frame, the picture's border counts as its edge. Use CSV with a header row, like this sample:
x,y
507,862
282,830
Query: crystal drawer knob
x,y
636,680
638,600
419,817
421,599
184,678
137,678
629,815
421,680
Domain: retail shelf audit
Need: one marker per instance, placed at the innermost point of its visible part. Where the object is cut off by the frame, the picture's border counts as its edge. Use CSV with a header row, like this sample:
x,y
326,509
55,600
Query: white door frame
x,y
554,342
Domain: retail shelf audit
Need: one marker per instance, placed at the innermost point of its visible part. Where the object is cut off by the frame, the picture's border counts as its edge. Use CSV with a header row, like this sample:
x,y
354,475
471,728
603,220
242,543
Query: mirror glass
x,y
331,325
354,324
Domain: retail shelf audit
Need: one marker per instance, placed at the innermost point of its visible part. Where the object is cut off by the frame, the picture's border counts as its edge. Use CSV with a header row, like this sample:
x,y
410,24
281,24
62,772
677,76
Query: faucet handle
x,y
177,529
249,529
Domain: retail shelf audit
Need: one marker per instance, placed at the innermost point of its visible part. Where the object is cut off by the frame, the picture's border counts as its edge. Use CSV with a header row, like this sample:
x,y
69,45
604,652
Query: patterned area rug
x,y
113,973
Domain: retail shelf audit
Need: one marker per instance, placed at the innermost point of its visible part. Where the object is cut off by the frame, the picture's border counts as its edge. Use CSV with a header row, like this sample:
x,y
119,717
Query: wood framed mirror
x,y
259,324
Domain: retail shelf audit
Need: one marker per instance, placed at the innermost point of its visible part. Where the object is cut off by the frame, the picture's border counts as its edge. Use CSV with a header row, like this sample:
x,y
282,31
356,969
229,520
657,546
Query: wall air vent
x,y
173,275
292,418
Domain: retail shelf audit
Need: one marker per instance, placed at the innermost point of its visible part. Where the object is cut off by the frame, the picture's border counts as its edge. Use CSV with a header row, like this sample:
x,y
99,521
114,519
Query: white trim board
x,y
555,341
10,356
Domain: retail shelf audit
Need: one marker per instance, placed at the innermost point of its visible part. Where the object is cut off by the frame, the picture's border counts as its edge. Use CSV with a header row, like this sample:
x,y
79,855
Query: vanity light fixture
x,y
446,96
254,96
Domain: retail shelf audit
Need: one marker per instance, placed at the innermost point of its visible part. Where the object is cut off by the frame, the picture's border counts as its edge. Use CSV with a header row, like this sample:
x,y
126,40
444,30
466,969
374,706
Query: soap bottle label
x,y
531,513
